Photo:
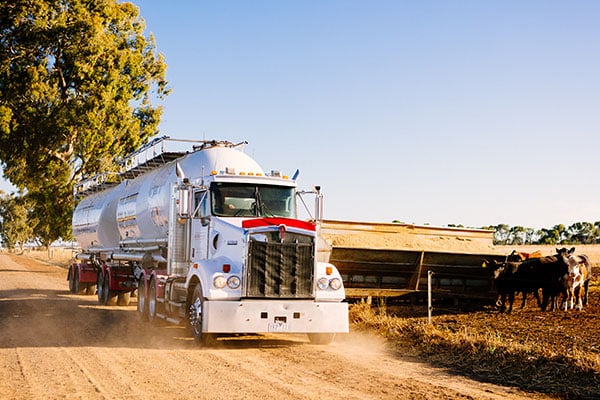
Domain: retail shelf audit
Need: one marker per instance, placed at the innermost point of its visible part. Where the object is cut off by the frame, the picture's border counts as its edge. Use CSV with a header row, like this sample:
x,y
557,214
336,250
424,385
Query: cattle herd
x,y
563,274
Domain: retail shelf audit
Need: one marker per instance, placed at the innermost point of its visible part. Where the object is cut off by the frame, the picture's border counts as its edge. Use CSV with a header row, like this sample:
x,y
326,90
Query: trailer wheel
x,y
109,298
123,298
152,301
79,288
142,301
195,318
321,338
100,284
71,280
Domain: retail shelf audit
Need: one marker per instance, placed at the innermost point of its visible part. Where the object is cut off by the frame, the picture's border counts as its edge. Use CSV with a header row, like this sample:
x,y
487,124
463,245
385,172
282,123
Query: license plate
x,y
279,326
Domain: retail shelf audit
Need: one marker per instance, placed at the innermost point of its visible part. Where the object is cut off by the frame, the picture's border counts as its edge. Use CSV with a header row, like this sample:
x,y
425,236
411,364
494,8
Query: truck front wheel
x,y
195,318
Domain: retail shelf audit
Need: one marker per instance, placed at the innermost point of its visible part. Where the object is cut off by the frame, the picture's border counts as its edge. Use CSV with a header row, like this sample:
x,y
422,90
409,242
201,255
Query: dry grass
x,y
59,256
532,350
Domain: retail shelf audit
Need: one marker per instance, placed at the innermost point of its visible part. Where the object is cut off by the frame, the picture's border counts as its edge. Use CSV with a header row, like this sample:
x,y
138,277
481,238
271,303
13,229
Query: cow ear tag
x,y
483,265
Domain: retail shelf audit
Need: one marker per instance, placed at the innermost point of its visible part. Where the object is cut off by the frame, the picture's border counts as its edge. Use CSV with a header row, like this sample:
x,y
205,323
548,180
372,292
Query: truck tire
x,y
78,287
109,298
195,318
100,284
142,301
321,338
71,281
151,300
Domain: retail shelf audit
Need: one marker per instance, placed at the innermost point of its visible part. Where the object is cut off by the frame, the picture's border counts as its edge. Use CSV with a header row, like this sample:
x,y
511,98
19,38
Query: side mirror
x,y
205,220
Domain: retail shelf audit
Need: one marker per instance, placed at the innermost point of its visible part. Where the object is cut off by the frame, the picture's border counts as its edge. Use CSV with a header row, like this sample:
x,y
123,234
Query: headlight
x,y
233,282
335,283
322,283
219,282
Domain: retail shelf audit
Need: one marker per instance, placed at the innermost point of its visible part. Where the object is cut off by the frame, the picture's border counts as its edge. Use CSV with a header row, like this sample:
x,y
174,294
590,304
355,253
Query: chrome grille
x,y
280,270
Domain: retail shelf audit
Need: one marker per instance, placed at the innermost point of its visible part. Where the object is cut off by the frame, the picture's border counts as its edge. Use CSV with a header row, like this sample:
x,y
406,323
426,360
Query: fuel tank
x,y
138,208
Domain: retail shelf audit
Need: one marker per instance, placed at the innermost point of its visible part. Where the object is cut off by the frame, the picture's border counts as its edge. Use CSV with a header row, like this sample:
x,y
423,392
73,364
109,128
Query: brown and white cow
x,y
577,282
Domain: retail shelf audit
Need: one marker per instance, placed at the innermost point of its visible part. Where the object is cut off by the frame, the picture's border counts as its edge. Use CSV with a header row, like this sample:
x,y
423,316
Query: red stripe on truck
x,y
256,222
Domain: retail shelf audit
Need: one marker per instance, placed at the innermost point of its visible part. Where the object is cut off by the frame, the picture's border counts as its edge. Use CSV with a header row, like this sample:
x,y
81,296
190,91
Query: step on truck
x,y
204,237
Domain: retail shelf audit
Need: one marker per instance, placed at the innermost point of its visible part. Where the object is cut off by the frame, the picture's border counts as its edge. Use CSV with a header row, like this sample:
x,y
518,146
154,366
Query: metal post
x,y
429,302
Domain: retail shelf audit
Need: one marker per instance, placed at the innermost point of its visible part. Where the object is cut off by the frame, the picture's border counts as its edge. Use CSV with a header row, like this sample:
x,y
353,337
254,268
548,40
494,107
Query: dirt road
x,y
56,345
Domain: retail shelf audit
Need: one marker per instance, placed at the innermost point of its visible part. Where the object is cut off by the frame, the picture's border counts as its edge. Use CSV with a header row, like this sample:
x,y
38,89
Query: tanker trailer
x,y
209,240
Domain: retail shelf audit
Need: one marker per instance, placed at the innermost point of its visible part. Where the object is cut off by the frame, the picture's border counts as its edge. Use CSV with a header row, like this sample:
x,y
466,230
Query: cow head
x,y
574,266
505,269
565,252
562,255
496,266
515,256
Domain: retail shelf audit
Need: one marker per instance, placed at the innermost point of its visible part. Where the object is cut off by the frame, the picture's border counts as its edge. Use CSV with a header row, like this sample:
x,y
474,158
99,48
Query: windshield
x,y
250,200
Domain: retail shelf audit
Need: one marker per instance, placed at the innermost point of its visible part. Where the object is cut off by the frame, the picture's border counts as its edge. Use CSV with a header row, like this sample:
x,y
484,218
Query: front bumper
x,y
287,316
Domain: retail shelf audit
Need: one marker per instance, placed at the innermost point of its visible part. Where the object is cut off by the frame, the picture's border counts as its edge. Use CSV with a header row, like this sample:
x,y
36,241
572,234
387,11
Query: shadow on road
x,y
51,318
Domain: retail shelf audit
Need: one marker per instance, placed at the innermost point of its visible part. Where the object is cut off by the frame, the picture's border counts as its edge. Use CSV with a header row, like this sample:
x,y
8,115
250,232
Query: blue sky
x,y
427,112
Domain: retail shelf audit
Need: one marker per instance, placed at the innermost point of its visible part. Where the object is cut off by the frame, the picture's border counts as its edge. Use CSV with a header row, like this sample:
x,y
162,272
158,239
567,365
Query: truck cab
x,y
211,241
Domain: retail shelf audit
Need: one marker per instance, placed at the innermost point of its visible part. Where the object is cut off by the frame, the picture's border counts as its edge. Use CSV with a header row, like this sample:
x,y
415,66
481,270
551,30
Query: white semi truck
x,y
205,238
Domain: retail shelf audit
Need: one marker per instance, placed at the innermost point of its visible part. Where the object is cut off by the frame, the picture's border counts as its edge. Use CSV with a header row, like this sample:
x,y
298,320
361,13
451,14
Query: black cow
x,y
548,272
510,277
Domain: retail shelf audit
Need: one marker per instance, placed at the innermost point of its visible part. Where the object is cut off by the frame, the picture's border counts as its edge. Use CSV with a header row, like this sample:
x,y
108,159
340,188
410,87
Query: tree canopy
x,y
577,233
15,224
77,78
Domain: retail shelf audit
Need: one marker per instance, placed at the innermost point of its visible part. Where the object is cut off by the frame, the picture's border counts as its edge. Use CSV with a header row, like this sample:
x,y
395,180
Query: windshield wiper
x,y
262,208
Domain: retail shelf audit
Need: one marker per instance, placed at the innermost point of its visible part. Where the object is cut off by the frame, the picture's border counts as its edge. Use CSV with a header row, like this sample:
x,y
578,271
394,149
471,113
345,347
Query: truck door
x,y
200,226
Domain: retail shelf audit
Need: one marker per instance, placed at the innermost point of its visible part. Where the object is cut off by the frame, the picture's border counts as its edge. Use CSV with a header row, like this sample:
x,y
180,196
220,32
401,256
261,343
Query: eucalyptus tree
x,y
15,226
77,82
518,235
501,234
582,232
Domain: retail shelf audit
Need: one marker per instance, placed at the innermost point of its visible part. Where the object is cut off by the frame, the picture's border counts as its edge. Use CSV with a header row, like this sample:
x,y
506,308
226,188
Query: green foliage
x,y
15,224
76,82
578,233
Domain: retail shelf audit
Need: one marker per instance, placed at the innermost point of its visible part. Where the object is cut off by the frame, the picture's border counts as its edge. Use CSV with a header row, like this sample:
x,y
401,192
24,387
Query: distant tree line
x,y
17,222
577,233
